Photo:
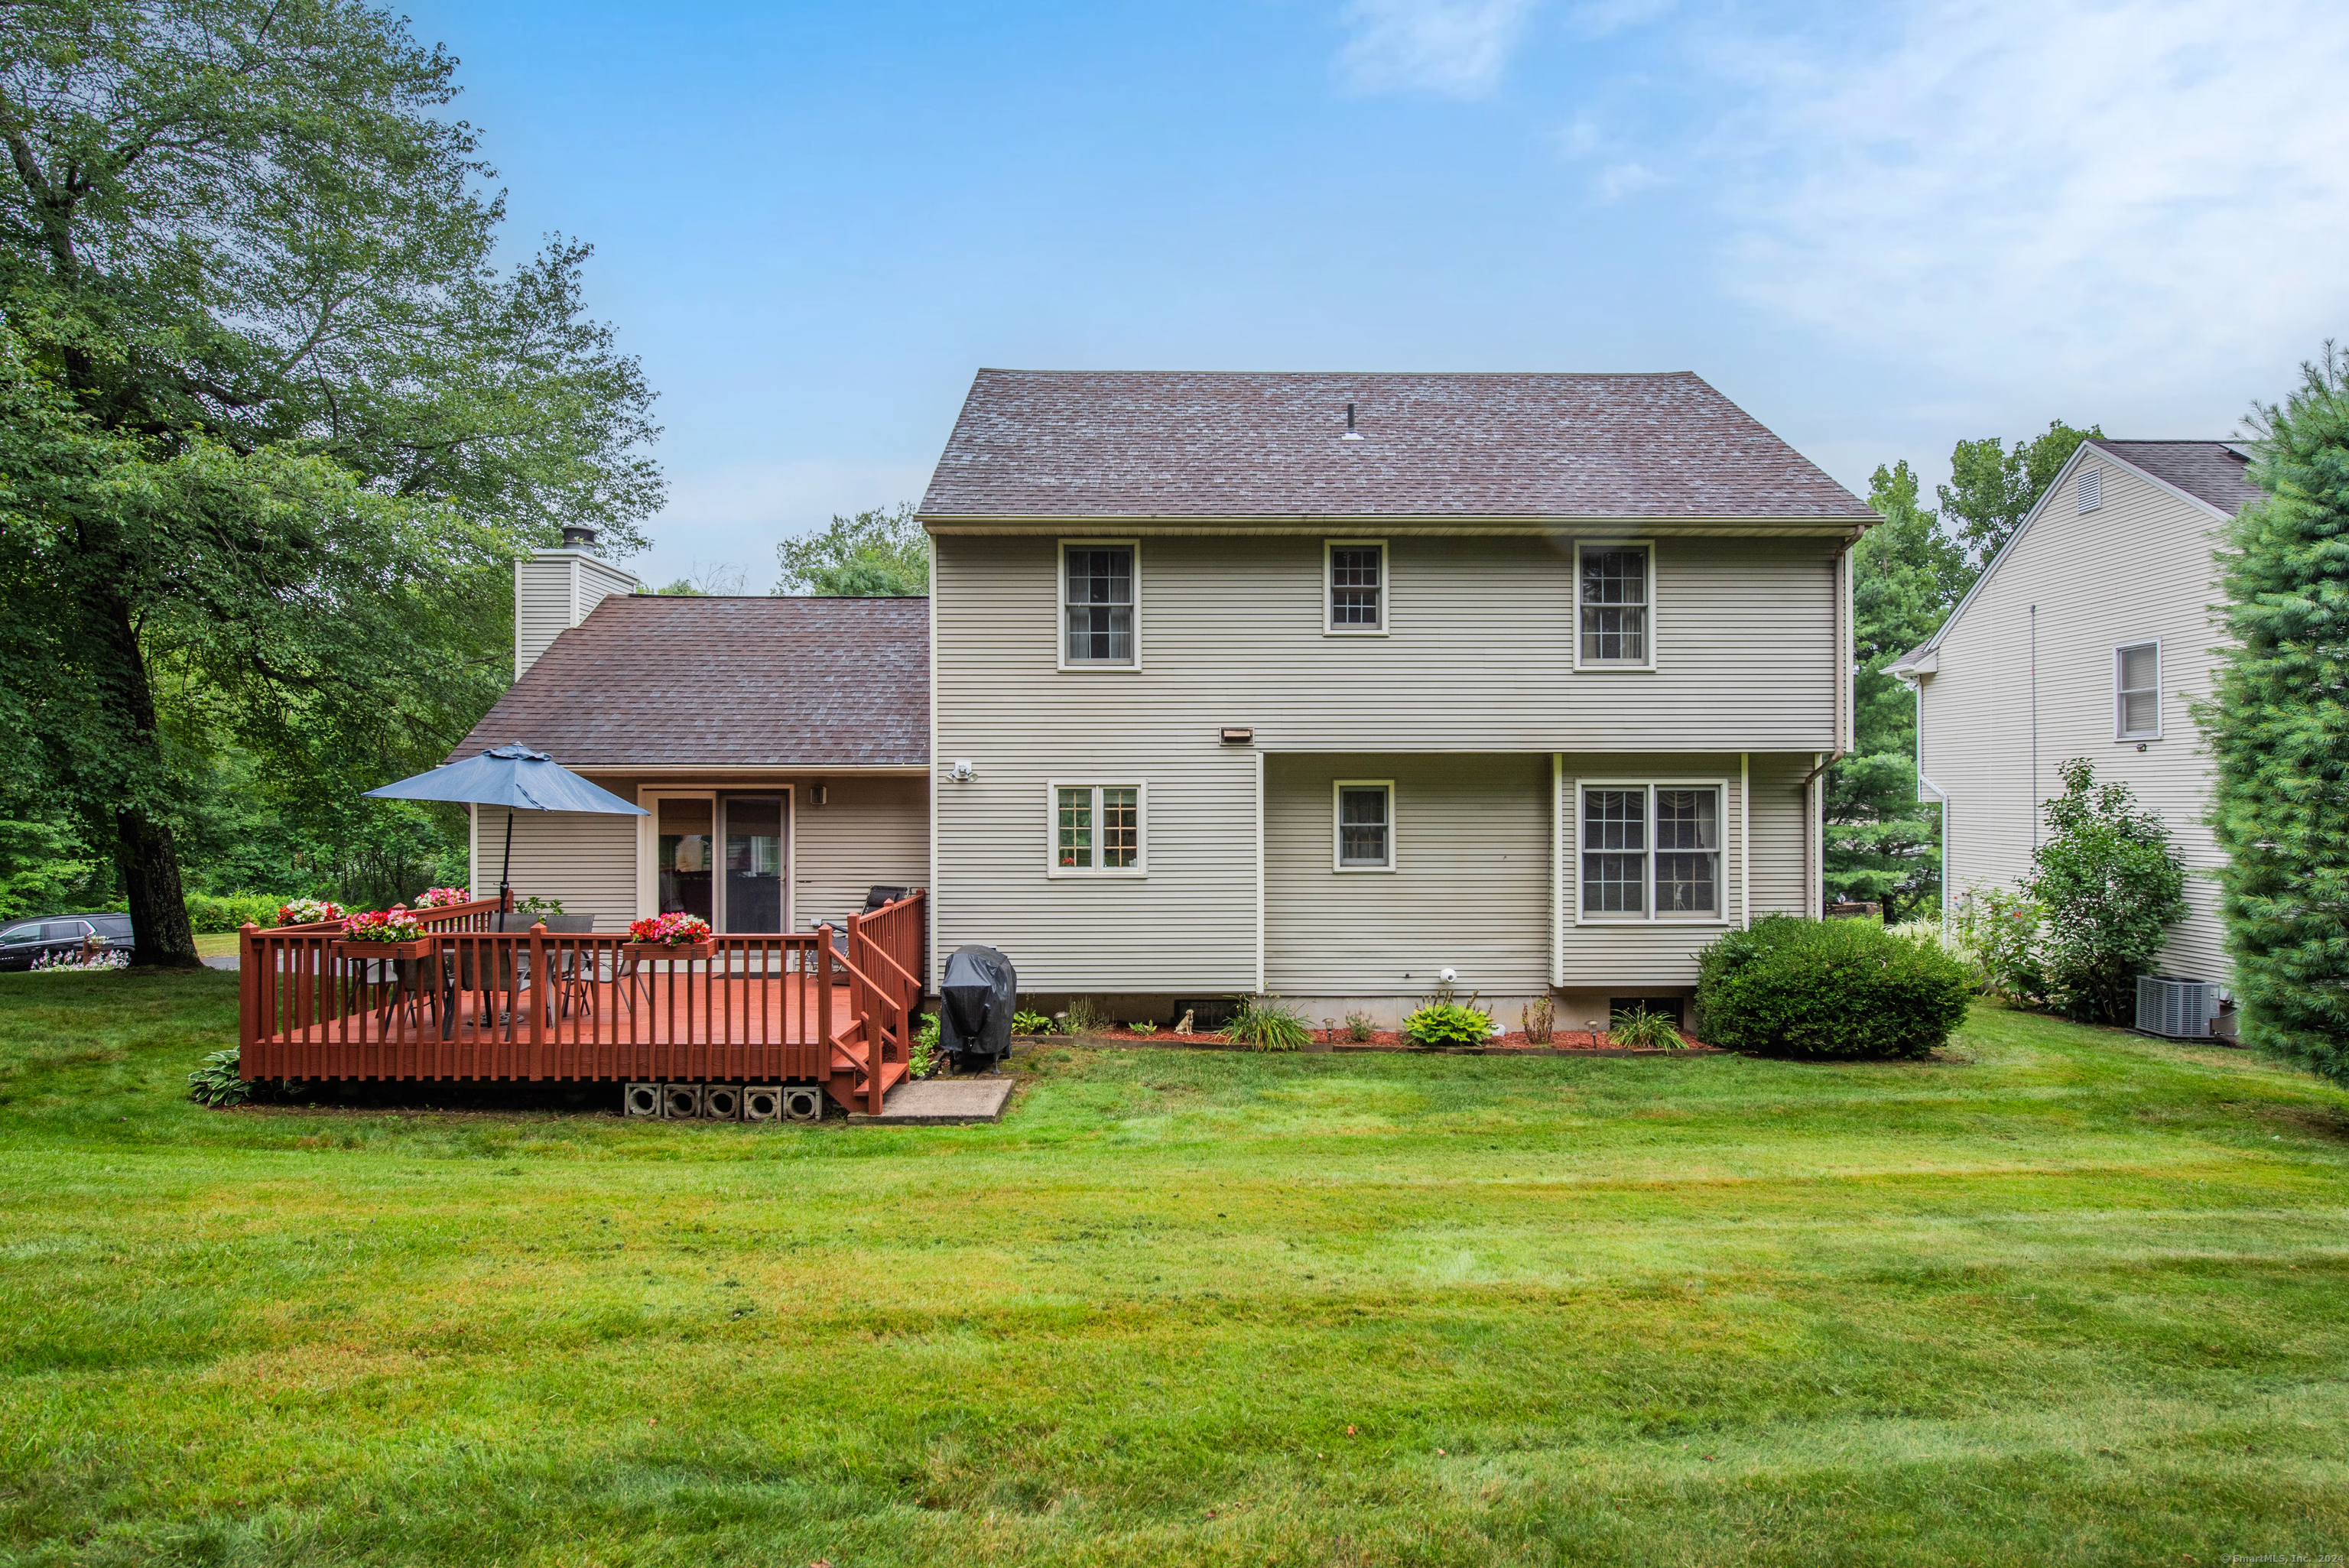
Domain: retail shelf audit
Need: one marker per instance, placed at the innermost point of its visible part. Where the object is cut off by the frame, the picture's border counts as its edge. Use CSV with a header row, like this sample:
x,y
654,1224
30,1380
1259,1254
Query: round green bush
x,y
1828,990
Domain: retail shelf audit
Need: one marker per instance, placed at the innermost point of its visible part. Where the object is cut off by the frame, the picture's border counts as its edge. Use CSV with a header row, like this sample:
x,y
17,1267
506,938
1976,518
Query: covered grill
x,y
975,1006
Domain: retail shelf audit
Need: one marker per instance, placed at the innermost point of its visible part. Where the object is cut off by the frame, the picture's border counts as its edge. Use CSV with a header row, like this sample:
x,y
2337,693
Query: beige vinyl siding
x,y
1470,887
1479,658
2137,569
869,830
1620,955
586,860
553,591
872,828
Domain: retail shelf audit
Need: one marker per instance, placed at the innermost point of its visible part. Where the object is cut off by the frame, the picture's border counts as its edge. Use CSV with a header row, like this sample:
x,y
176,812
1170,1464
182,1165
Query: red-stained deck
x,y
467,1002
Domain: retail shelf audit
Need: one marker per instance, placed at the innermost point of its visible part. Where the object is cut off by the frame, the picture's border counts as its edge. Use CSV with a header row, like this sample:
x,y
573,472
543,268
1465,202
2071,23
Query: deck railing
x,y
470,1001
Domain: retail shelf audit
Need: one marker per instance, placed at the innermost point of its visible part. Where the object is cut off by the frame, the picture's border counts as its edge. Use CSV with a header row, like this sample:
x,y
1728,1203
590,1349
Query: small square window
x,y
1612,604
1365,825
1097,827
1357,587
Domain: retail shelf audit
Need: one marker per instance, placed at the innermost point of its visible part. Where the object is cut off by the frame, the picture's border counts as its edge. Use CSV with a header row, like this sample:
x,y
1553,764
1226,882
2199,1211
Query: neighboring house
x,y
780,746
1322,684
2089,635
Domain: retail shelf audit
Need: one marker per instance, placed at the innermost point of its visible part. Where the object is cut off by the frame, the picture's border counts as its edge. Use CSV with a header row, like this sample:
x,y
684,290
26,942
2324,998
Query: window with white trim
x,y
1354,578
1097,603
1650,851
1612,602
2137,692
1096,827
1364,825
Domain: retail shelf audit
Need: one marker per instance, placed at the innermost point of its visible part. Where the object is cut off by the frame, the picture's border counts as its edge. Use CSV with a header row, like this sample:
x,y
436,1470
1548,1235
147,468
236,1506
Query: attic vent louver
x,y
2090,478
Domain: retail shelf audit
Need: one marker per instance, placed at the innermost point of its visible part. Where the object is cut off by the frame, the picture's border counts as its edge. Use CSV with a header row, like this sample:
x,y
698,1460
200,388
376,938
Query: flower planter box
x,y
419,947
642,950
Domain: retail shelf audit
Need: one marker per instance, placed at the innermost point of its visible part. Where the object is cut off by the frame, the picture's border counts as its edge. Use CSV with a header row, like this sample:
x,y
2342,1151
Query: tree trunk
x,y
159,932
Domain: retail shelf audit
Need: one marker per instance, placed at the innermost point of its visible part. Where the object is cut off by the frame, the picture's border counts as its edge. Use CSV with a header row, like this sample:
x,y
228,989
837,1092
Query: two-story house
x,y
1320,685
2089,635
1316,685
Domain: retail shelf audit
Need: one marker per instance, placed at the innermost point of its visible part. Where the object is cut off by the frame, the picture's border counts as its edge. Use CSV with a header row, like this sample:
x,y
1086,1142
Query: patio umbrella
x,y
514,777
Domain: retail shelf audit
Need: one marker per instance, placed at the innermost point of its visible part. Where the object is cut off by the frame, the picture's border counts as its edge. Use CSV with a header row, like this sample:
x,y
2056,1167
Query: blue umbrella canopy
x,y
510,776
514,777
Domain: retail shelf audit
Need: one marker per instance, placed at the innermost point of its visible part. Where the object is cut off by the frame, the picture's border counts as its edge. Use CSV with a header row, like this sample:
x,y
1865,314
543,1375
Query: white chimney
x,y
555,589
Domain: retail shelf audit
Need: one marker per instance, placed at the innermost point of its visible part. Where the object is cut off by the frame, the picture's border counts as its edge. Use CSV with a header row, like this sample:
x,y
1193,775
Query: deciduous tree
x,y
875,554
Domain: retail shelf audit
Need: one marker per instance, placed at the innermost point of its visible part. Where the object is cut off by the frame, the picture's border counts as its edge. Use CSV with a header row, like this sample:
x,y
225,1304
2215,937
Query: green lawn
x,y
2073,1296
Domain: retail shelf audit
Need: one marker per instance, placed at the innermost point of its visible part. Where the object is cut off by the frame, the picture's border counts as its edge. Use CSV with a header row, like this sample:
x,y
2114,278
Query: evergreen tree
x,y
2277,727
1882,843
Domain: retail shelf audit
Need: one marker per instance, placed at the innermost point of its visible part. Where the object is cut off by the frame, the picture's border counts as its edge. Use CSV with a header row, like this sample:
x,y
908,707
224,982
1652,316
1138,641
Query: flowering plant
x,y
671,930
382,925
307,912
61,962
441,897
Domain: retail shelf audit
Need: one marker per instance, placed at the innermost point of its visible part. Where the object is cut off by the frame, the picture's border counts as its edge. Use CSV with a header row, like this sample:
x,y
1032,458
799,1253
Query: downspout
x,y
1917,689
1818,834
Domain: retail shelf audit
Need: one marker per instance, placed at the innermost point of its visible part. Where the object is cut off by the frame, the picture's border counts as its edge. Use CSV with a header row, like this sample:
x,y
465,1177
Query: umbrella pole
x,y
506,888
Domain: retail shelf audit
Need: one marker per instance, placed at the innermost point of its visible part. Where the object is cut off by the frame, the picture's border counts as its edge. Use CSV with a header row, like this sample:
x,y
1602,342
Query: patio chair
x,y
878,894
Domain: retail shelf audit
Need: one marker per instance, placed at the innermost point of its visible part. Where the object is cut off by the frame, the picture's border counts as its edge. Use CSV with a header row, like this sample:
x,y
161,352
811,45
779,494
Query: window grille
x,y
1357,586
1631,869
2137,681
1097,827
1099,604
1613,606
1365,825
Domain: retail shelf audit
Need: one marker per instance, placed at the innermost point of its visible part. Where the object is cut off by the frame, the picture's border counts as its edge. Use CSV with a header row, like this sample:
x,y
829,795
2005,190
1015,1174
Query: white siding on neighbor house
x,y
872,828
2137,569
553,591
1479,659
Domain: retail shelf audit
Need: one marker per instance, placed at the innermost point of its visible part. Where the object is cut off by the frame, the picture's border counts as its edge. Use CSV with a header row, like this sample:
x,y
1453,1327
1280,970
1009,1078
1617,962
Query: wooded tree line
x,y
1907,573
273,425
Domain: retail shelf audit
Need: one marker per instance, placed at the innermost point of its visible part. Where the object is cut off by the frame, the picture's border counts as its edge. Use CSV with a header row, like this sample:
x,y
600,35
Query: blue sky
x,y
1880,228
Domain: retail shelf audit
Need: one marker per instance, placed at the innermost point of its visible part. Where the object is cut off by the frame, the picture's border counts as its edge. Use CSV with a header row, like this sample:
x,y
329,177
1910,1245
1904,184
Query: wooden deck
x,y
469,1002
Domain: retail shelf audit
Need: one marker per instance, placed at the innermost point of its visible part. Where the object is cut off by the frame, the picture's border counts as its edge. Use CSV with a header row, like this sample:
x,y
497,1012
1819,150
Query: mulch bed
x,y
1564,1043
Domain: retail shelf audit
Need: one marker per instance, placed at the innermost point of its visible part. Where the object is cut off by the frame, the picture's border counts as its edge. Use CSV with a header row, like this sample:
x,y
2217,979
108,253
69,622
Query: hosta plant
x,y
1440,1024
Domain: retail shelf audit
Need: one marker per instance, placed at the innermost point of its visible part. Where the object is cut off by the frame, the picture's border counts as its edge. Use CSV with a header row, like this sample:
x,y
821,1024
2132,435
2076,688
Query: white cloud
x,y
2095,186
734,516
1454,48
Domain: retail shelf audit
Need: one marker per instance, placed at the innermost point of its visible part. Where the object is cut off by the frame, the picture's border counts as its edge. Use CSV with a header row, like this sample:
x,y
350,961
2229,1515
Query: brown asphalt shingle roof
x,y
1035,443
2206,471
653,680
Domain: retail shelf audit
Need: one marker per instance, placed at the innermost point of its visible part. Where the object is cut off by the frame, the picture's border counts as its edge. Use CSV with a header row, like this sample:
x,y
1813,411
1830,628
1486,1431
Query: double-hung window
x,y
1614,606
2137,692
1364,826
1354,580
1652,851
1097,827
1099,626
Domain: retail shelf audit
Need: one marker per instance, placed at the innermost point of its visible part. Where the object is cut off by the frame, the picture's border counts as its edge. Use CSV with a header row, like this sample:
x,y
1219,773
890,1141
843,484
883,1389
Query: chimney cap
x,y
578,536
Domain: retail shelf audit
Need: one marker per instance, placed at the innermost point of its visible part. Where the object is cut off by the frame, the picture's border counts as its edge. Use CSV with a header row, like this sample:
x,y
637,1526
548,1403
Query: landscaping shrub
x,y
1642,1030
1269,1025
229,912
1827,990
2000,932
1027,1022
215,1083
1448,1023
2112,887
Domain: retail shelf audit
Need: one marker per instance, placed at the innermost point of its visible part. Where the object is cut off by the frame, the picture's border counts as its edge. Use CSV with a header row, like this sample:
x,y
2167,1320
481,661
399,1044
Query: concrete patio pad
x,y
941,1103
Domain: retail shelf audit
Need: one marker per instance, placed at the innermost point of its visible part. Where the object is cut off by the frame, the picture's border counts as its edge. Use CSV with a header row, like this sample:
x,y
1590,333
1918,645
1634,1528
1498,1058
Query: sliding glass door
x,y
755,872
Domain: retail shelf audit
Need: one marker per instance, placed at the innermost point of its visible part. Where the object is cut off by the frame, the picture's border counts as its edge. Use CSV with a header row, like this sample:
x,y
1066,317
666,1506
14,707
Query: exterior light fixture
x,y
1237,737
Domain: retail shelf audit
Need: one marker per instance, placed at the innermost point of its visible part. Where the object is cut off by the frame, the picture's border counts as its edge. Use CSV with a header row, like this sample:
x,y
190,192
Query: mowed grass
x,y
2069,1296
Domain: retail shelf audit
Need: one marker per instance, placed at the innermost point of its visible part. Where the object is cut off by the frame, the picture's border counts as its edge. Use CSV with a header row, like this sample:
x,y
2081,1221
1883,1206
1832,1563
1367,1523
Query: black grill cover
x,y
976,1001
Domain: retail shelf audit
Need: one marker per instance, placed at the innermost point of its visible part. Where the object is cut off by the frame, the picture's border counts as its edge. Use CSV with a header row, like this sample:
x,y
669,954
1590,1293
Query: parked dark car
x,y
23,941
